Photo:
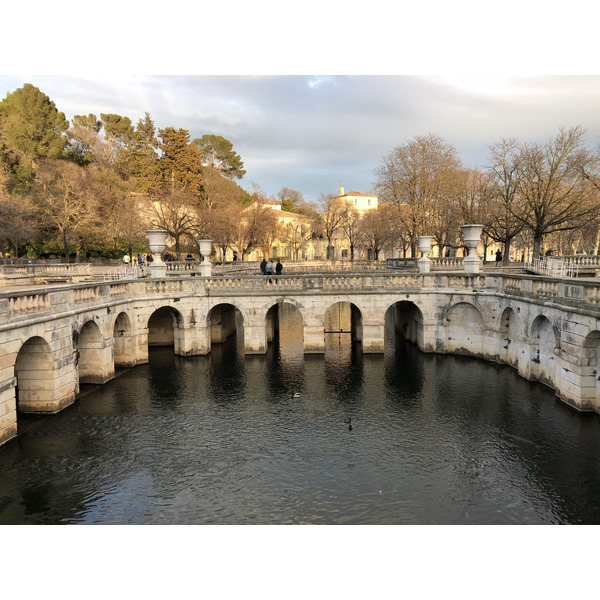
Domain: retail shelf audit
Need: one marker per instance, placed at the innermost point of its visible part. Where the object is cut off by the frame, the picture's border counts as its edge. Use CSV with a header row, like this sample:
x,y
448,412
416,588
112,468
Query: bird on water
x,y
348,422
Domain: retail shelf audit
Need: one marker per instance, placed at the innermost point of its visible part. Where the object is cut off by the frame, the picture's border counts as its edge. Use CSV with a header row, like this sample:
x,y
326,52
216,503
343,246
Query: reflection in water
x,y
228,438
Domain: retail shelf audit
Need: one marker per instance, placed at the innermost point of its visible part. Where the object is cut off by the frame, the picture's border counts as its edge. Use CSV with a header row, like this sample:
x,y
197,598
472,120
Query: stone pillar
x,y
255,339
472,235
314,337
8,410
96,363
424,247
372,338
157,242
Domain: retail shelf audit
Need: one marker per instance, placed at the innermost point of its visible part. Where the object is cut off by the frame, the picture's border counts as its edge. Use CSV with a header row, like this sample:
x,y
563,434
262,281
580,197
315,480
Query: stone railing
x,y
126,272
580,291
587,260
30,272
17,305
454,262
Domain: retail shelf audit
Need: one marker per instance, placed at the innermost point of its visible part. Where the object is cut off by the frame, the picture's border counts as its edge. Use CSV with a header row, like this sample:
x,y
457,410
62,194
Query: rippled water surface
x,y
221,439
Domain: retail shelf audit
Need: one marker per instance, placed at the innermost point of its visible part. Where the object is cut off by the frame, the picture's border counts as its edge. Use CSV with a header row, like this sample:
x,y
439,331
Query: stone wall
x,y
54,337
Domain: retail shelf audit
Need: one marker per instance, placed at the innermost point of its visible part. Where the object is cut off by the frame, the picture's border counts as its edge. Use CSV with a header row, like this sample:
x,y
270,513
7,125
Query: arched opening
x,y
161,327
285,329
464,330
34,372
509,337
403,319
543,342
123,342
343,331
90,356
225,321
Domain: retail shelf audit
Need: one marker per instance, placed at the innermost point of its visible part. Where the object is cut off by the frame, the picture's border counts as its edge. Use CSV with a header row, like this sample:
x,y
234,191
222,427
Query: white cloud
x,y
309,132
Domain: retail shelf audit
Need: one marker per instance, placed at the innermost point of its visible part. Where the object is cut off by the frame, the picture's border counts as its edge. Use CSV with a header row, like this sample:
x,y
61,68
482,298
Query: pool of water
x,y
234,439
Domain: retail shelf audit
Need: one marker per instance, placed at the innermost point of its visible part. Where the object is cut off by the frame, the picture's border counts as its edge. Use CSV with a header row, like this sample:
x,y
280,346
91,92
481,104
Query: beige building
x,y
297,242
362,202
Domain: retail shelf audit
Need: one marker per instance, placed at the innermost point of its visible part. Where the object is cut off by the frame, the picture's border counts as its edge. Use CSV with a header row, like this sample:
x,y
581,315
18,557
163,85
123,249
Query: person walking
x,y
498,257
263,266
278,269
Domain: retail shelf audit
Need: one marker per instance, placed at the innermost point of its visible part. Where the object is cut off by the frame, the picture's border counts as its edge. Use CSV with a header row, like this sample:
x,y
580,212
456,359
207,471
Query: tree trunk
x,y
506,255
65,245
537,246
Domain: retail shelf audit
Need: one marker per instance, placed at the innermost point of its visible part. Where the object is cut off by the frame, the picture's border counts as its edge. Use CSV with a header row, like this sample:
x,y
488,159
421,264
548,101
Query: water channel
x,y
233,439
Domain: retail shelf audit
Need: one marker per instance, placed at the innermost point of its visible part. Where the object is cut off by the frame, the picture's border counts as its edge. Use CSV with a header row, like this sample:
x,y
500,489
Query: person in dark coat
x,y
263,266
498,257
278,269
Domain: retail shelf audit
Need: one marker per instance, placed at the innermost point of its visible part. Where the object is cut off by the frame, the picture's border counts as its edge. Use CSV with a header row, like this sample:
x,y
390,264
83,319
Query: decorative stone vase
x,y
205,250
157,241
424,247
472,236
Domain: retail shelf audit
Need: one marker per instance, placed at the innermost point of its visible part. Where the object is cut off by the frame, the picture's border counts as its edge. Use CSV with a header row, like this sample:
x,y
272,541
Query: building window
x,y
369,201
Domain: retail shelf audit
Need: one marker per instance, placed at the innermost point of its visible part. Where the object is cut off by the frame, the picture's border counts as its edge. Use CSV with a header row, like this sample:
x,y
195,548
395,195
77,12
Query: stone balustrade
x,y
17,304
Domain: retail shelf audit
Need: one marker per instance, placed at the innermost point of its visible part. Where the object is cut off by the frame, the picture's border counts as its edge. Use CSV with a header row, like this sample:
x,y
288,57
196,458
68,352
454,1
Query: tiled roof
x,y
358,194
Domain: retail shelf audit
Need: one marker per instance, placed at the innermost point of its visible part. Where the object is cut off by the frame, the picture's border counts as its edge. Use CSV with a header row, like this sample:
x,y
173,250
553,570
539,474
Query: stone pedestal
x,y
157,242
424,247
206,266
472,235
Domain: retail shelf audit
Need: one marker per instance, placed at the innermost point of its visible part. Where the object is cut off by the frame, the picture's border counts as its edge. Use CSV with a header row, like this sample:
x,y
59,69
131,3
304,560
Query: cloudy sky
x,y
314,133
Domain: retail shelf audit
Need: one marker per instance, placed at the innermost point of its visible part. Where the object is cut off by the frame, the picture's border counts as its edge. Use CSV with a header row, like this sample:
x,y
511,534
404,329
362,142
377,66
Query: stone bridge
x,y
52,338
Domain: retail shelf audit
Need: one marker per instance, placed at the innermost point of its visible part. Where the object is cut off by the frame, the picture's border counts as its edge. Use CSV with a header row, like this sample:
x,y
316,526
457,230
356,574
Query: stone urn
x,y
472,236
205,249
424,248
157,241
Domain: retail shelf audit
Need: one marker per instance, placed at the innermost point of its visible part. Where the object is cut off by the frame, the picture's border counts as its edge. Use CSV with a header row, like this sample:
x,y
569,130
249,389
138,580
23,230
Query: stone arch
x,y
224,320
463,325
343,318
510,332
35,377
94,357
543,341
406,318
123,343
285,312
163,327
590,372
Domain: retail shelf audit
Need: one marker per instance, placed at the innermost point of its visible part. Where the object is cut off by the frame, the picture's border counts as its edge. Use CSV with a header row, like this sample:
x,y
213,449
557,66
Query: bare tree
x,y
375,230
554,193
16,220
296,234
416,175
503,172
63,199
176,211
350,227
333,217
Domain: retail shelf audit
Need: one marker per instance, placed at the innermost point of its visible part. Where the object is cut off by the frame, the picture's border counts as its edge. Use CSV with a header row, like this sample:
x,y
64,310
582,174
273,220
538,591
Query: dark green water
x,y
220,439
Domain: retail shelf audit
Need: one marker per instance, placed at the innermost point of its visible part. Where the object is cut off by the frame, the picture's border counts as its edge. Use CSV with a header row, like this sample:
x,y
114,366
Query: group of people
x,y
140,259
267,268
